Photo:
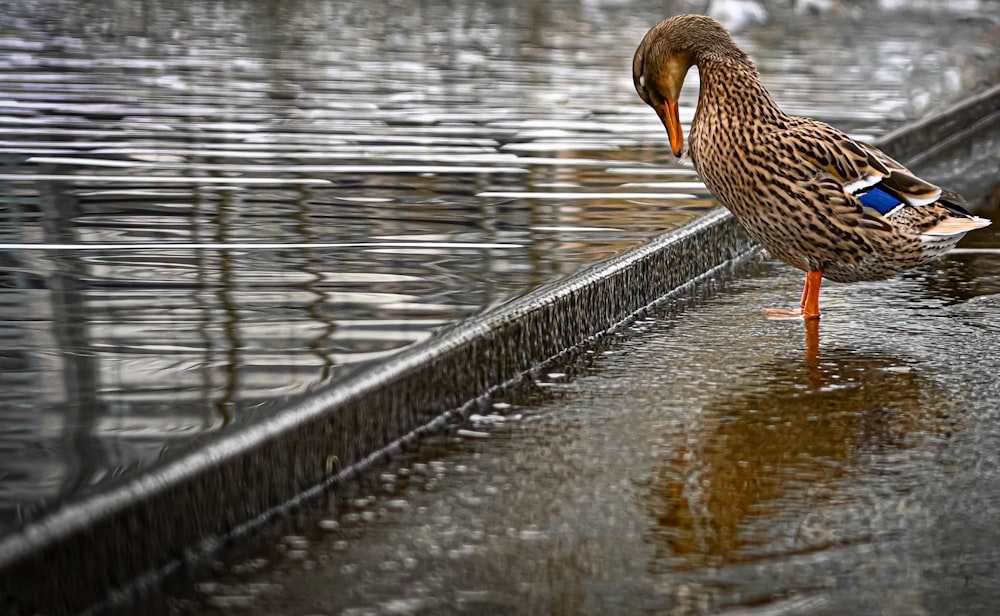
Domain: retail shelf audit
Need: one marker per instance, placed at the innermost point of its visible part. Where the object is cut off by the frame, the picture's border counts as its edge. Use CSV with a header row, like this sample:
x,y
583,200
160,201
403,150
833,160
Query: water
x,y
210,208
702,460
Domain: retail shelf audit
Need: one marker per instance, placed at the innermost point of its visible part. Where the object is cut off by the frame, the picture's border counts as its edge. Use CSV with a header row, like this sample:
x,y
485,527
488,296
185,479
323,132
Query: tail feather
x,y
956,225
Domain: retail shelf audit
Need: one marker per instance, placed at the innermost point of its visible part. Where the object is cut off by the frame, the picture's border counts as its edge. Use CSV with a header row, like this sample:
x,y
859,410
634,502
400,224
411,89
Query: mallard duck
x,y
815,198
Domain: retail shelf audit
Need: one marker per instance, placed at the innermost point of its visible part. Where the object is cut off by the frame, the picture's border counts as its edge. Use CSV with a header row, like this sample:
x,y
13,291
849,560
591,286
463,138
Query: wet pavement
x,y
703,459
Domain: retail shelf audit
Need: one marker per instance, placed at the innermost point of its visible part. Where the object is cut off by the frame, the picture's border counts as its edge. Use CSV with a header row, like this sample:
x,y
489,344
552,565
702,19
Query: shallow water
x,y
703,459
207,208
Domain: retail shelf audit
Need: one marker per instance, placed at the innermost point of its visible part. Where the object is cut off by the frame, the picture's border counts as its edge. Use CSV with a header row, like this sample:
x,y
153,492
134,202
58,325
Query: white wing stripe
x,y
864,182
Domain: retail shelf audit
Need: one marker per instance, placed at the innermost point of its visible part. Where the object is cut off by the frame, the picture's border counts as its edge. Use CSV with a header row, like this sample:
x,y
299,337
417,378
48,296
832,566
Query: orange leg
x,y
808,306
810,295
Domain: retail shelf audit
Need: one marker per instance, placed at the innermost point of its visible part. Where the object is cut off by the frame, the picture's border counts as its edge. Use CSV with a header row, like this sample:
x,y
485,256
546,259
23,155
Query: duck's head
x,y
663,58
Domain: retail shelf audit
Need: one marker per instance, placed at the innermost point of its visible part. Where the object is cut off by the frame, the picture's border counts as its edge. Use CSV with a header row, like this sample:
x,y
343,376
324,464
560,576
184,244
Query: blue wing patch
x,y
879,200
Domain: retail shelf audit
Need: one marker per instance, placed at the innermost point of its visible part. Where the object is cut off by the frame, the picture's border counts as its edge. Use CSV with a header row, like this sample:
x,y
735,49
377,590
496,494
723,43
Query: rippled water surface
x,y
208,207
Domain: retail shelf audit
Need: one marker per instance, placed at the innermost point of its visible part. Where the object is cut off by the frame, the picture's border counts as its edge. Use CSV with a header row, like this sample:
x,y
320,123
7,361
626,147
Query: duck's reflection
x,y
779,442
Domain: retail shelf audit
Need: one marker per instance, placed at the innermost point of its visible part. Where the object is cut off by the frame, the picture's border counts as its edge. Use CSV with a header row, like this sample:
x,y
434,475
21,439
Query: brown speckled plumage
x,y
793,182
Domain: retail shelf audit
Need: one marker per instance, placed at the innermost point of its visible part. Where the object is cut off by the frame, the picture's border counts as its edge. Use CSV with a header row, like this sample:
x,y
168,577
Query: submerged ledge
x,y
95,553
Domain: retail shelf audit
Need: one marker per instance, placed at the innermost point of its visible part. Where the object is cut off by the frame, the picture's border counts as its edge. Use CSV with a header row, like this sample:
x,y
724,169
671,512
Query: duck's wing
x,y
901,182
951,218
858,166
878,185
843,170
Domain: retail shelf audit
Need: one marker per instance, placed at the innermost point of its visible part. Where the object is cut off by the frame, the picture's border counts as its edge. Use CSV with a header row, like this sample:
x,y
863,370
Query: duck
x,y
834,207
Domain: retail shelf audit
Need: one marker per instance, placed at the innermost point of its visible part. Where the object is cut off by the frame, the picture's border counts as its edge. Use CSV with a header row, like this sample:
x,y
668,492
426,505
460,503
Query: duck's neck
x,y
733,96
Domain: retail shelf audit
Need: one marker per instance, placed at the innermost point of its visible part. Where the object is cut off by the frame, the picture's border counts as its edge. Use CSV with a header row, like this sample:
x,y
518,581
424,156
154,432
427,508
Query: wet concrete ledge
x,y
100,553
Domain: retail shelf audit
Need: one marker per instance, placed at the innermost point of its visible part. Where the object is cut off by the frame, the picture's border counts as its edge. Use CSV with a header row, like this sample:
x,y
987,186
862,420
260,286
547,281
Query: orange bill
x,y
671,118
